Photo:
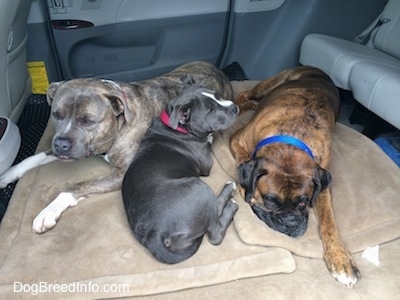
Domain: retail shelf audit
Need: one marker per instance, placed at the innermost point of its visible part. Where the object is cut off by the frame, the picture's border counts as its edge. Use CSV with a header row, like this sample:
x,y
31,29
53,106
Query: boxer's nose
x,y
62,145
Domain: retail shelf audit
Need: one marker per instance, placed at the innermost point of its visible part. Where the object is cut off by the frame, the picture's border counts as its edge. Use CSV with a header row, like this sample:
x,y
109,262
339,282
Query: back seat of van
x,y
369,66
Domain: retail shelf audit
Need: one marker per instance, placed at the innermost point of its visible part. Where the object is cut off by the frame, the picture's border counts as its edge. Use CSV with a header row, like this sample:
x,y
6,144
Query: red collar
x,y
164,117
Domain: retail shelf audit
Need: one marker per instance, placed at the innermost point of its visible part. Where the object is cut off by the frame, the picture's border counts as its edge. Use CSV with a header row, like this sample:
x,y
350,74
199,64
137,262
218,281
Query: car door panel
x,y
133,40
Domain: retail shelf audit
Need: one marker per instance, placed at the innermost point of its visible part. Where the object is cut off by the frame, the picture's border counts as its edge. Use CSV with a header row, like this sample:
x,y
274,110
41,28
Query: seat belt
x,y
370,42
367,36
363,37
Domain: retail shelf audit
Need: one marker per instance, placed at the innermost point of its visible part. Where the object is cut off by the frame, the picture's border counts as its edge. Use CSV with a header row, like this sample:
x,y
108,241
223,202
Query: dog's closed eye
x,y
57,115
86,121
271,201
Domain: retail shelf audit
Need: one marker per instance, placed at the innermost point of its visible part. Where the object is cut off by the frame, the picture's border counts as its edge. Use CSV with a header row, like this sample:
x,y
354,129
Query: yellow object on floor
x,y
40,81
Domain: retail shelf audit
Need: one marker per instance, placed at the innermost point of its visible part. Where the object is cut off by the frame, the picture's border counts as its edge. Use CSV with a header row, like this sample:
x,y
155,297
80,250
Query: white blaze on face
x,y
222,102
68,127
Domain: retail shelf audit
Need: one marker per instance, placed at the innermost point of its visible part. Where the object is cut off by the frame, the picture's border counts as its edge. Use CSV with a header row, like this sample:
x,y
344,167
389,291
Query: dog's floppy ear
x,y
51,90
118,99
249,174
119,105
180,115
322,178
188,80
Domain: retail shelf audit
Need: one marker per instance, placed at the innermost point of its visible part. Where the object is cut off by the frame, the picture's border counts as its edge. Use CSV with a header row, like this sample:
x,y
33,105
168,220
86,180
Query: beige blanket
x,y
92,248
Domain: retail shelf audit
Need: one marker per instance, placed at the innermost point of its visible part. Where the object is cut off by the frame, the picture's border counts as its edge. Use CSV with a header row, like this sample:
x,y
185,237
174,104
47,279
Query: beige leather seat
x,y
15,82
371,72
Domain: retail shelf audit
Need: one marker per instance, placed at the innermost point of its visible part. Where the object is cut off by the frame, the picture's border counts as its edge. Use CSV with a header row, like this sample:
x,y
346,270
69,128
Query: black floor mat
x,y
235,72
31,125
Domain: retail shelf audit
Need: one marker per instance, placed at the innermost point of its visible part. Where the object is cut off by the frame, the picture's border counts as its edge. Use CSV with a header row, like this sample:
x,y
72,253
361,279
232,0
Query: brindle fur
x,y
301,102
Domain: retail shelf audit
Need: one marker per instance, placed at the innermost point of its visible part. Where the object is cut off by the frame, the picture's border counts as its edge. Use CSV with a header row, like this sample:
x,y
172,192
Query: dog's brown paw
x,y
251,105
342,267
244,102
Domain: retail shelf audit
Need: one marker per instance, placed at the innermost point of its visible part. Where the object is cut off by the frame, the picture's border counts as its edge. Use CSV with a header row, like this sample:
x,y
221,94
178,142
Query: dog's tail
x,y
173,249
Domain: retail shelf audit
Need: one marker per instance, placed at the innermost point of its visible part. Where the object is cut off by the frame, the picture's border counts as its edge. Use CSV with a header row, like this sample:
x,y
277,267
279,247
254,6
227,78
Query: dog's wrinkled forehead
x,y
193,92
73,89
286,187
82,103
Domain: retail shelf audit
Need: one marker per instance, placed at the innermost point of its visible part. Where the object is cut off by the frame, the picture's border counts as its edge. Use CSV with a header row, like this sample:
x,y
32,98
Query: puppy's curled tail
x,y
166,249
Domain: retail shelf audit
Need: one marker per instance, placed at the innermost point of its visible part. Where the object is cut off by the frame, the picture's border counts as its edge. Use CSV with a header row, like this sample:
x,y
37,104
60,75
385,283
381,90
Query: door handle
x,y
70,24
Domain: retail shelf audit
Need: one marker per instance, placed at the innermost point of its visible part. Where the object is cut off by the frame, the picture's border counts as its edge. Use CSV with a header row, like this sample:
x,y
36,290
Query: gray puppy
x,y
169,208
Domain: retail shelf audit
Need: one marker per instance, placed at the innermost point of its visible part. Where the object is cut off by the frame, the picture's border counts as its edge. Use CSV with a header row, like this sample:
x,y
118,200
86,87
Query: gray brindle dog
x,y
169,207
95,116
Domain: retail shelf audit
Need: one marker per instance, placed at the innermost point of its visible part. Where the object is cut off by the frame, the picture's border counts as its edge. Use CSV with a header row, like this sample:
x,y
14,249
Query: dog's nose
x,y
291,225
291,222
288,221
235,109
62,145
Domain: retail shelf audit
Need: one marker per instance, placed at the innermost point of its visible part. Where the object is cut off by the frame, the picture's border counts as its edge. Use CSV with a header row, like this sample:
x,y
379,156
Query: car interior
x,y
92,253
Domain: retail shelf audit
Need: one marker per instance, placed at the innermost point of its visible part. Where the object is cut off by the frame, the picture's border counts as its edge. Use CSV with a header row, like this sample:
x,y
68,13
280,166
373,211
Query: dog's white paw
x,y
44,221
49,216
210,138
234,185
341,265
349,281
7,177
15,172
3,182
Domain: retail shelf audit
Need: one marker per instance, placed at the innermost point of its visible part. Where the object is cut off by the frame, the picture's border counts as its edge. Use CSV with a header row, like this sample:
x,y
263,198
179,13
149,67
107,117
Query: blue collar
x,y
287,139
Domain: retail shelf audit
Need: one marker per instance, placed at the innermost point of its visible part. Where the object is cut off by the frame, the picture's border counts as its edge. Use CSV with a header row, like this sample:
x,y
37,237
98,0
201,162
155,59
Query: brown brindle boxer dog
x,y
282,155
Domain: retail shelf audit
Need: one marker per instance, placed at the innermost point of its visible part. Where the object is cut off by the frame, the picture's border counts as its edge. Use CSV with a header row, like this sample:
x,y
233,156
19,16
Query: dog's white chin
x,y
68,158
65,158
